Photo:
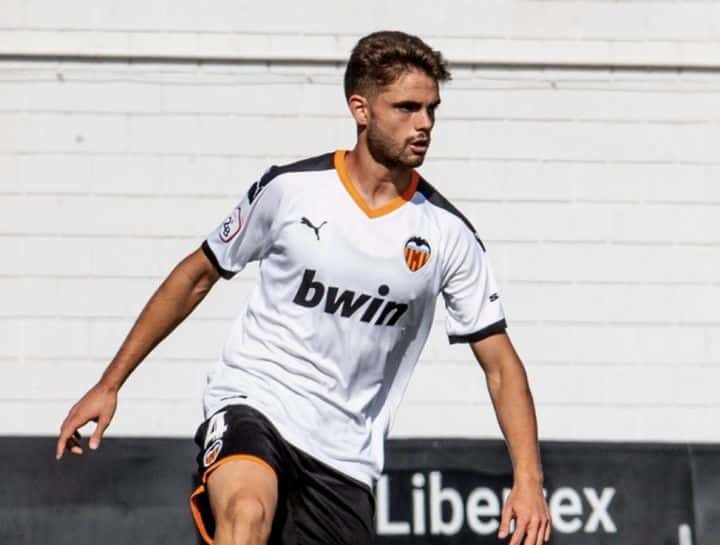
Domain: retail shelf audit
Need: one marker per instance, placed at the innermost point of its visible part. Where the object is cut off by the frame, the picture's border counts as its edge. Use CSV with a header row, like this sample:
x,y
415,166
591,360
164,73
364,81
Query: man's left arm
x,y
508,386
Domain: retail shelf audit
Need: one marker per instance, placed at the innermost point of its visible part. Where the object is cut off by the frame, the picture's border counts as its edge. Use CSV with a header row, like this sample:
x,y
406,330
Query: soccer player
x,y
354,248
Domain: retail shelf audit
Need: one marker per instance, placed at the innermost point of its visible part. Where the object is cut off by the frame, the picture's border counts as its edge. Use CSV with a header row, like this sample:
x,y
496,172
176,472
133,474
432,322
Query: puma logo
x,y
307,222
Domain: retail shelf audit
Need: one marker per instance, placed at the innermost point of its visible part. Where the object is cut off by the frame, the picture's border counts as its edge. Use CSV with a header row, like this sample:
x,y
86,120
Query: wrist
x,y
528,478
107,385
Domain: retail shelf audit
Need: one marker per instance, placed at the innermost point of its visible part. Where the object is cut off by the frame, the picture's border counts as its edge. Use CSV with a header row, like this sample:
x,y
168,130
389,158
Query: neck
x,y
377,183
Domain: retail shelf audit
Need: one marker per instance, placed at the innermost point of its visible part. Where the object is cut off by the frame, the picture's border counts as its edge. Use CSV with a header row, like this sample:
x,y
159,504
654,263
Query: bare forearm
x,y
514,407
516,415
173,301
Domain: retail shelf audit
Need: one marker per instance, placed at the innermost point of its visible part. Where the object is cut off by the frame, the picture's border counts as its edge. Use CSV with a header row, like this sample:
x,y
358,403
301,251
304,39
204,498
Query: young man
x,y
355,248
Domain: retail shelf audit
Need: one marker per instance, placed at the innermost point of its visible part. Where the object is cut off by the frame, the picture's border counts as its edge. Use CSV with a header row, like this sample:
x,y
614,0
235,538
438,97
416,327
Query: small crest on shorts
x,y
231,226
212,453
417,253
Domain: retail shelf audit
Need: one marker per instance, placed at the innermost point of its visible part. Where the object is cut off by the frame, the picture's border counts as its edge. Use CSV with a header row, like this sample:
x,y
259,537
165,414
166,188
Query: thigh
x,y
240,463
241,485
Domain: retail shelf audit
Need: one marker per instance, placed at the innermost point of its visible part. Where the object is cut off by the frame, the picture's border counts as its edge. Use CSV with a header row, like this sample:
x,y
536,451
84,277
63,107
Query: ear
x,y
359,108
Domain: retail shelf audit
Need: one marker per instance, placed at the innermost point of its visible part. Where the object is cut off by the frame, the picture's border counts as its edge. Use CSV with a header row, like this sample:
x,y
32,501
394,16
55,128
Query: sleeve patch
x,y
231,226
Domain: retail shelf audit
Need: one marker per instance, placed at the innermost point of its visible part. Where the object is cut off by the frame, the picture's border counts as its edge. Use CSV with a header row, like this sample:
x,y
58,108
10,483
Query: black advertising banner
x,y
452,493
130,492
432,492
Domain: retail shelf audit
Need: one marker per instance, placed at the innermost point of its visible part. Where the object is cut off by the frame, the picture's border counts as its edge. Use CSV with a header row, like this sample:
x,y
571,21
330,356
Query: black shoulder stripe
x,y
434,197
321,162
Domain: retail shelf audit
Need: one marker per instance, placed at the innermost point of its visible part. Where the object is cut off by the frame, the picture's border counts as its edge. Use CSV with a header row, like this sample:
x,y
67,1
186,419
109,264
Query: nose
x,y
425,119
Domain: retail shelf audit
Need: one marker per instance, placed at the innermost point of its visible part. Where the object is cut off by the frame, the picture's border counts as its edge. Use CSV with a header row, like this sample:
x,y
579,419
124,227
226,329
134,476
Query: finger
x,y
74,444
519,532
531,532
63,440
548,530
505,521
98,433
541,533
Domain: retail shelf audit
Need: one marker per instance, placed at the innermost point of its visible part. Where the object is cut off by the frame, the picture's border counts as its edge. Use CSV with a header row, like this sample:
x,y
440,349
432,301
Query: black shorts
x,y
317,505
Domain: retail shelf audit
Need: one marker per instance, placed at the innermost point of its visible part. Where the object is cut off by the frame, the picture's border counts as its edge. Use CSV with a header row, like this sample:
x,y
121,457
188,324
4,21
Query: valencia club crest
x,y
417,253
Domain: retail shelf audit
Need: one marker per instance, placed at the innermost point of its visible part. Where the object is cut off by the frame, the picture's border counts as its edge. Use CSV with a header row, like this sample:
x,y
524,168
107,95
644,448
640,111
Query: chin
x,y
413,162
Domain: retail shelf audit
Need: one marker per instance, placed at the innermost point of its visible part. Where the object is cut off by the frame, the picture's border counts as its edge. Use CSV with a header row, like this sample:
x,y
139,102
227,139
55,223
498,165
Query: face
x,y
400,118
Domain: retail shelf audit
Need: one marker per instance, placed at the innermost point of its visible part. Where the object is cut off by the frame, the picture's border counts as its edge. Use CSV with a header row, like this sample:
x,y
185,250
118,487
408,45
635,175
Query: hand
x,y
97,405
527,505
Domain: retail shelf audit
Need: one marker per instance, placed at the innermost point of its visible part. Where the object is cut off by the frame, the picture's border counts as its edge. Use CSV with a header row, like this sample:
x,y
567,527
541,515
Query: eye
x,y
408,107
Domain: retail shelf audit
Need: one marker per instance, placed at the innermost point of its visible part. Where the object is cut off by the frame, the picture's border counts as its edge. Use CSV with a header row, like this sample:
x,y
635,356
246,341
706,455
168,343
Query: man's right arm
x,y
174,300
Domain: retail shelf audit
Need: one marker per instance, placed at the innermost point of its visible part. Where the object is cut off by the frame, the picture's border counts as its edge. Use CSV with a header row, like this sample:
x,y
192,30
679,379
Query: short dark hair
x,y
380,58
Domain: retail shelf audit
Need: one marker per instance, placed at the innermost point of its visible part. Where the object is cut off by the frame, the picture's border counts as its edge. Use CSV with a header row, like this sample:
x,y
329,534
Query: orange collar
x,y
394,204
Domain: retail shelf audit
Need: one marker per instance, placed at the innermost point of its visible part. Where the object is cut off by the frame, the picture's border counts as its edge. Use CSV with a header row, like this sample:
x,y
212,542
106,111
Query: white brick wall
x,y
626,32
596,191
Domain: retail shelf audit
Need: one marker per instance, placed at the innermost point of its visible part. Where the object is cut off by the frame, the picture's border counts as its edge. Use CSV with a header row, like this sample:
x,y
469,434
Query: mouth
x,y
420,147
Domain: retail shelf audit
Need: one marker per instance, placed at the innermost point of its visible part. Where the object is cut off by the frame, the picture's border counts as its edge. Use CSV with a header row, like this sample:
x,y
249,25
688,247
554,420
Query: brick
x,y
712,344
107,335
241,94
322,98
125,298
146,418
255,135
116,215
645,182
590,343
591,384
196,339
198,175
596,385
609,262
527,99
444,420
162,134
127,174
12,13
56,256
25,297
500,180
9,176
15,95
462,383
79,15
163,175
55,339
85,90
62,173
689,22
564,422
137,257
103,297
11,339
11,248
611,303
619,424
665,223
540,221
167,381
9,129
560,20
149,418
64,132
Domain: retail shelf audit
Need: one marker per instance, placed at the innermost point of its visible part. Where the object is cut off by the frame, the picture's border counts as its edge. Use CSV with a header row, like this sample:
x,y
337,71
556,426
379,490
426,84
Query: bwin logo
x,y
310,294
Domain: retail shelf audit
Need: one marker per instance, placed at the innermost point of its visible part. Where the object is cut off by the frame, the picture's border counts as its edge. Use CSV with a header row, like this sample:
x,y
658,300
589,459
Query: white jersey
x,y
325,345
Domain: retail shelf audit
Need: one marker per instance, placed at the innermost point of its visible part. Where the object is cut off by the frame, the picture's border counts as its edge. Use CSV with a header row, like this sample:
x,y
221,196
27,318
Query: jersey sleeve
x,y
474,311
247,233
